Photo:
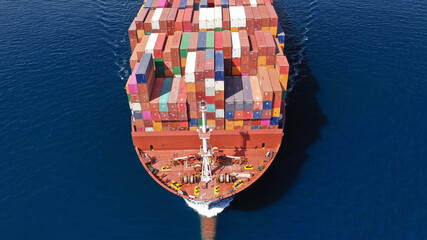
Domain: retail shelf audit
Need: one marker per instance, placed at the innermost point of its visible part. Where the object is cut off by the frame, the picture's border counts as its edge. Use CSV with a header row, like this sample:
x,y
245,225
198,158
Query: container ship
x,y
207,95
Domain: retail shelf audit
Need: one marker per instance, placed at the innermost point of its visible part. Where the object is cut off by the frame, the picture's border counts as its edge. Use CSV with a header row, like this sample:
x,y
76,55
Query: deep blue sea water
x,y
353,164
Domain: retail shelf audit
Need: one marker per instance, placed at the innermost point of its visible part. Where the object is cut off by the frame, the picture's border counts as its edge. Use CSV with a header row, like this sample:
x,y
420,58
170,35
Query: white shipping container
x,y
210,91
241,16
236,53
210,18
219,85
149,129
155,24
149,48
136,106
234,12
209,82
253,3
218,17
219,113
202,18
190,67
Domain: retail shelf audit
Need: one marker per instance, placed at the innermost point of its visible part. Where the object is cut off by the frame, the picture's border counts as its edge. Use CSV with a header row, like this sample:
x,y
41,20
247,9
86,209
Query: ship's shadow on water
x,y
304,119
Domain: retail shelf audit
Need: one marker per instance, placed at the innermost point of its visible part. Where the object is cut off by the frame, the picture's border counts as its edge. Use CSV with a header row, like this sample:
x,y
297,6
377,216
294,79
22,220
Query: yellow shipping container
x,y
262,60
157,125
238,123
276,112
191,87
235,71
273,31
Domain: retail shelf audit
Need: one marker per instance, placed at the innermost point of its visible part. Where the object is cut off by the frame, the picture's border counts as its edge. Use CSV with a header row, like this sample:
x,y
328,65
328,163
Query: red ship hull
x,y
255,148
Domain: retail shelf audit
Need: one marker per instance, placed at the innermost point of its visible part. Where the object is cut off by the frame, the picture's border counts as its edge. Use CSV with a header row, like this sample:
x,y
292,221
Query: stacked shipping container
x,y
224,53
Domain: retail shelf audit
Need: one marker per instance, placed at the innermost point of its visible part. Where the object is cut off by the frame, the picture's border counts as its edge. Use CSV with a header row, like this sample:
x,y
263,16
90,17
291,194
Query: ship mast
x,y
204,135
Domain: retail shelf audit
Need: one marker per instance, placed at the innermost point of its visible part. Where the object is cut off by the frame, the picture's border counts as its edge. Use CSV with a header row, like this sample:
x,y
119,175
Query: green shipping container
x,y
185,41
176,70
210,40
200,122
129,97
164,97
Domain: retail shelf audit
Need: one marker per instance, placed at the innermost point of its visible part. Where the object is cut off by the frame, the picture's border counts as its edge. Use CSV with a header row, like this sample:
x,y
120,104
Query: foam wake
x,y
209,209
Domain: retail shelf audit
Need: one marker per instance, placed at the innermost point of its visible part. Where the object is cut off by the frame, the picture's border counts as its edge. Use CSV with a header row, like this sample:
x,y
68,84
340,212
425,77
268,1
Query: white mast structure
x,y
206,154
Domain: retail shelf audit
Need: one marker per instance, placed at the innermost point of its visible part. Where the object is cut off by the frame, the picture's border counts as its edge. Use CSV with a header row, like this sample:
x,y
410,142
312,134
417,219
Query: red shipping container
x,y
244,68
175,4
173,116
182,96
139,20
244,60
232,3
192,46
167,55
279,50
271,60
191,97
217,3
277,103
200,86
219,95
227,47
158,47
163,18
164,116
148,123
189,4
175,48
132,30
186,21
200,96
266,114
171,20
155,116
147,22
225,19
238,114
265,22
265,84
145,106
195,22
274,19
193,106
219,121
257,18
193,114
247,122
179,21
262,45
248,114
210,99
259,2
155,4
200,66
282,65
218,41
183,124
209,68
244,43
182,116
246,3
275,85
134,98
236,62
210,115
271,45
155,95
